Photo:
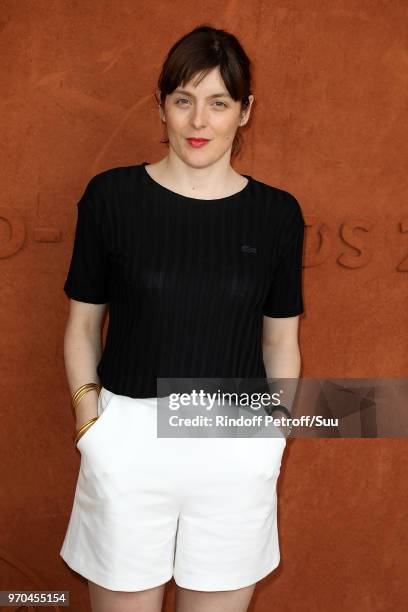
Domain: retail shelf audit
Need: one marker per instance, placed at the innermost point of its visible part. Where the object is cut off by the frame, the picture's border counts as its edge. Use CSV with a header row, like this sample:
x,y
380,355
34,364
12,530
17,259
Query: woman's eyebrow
x,y
216,95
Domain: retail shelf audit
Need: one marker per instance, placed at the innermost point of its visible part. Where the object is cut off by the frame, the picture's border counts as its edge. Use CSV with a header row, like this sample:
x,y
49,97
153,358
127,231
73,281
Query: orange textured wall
x,y
330,85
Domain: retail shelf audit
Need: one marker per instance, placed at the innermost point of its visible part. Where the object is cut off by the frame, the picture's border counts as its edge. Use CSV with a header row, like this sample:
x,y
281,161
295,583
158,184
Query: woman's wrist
x,y
84,427
83,419
284,420
86,409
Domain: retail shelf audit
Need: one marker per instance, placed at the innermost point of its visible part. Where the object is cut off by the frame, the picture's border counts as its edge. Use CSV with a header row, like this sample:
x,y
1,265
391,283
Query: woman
x,y
201,269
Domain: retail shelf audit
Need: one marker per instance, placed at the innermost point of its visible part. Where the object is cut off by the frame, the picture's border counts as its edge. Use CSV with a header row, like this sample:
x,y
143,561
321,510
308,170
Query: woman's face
x,y
199,112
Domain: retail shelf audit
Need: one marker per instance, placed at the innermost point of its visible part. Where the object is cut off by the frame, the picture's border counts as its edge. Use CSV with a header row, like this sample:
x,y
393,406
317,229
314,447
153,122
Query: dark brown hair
x,y
199,51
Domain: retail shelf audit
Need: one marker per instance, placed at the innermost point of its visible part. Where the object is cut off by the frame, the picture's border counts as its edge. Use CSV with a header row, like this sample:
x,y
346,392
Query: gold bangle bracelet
x,y
84,427
81,391
86,423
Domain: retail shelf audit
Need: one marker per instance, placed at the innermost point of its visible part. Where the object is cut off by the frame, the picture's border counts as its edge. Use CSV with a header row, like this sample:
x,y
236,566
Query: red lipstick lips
x,y
197,142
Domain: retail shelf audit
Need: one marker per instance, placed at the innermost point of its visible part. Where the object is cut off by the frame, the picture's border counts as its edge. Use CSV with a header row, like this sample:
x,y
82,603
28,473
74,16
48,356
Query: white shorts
x,y
203,510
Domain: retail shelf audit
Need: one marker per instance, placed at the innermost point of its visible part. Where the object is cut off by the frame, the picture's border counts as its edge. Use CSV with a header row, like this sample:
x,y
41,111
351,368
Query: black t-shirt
x,y
187,280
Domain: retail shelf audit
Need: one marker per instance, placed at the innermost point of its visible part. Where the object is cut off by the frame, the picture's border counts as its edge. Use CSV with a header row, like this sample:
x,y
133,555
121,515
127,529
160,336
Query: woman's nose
x,y
198,117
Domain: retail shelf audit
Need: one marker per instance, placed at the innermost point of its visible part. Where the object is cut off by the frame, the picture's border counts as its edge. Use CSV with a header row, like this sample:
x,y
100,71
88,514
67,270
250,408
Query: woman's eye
x,y
185,100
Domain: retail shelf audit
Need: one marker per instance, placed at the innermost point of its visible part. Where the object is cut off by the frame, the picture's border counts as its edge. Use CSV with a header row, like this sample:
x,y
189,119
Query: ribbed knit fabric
x,y
187,280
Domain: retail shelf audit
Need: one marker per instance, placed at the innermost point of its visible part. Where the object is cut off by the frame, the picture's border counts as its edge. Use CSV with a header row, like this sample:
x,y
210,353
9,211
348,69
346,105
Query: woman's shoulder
x,y
114,176
279,201
107,191
113,188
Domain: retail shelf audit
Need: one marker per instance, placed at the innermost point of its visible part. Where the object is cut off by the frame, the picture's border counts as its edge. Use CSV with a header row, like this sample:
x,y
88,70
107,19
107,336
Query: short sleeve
x,y
87,278
284,298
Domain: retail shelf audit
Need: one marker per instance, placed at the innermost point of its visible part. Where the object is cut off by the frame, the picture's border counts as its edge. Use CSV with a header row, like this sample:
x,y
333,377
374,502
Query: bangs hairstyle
x,y
196,54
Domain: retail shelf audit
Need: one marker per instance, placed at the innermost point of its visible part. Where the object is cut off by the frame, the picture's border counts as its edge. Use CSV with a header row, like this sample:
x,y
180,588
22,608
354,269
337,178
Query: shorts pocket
x,y
105,401
263,456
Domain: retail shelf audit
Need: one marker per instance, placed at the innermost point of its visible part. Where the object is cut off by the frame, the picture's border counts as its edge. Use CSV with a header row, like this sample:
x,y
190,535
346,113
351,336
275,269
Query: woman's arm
x,y
82,352
281,356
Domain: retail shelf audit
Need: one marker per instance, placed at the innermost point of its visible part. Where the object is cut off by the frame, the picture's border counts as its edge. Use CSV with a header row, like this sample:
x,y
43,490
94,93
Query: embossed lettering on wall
x,y
355,242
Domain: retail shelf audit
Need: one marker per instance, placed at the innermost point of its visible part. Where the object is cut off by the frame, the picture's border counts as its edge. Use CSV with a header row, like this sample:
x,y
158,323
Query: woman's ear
x,y
247,111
